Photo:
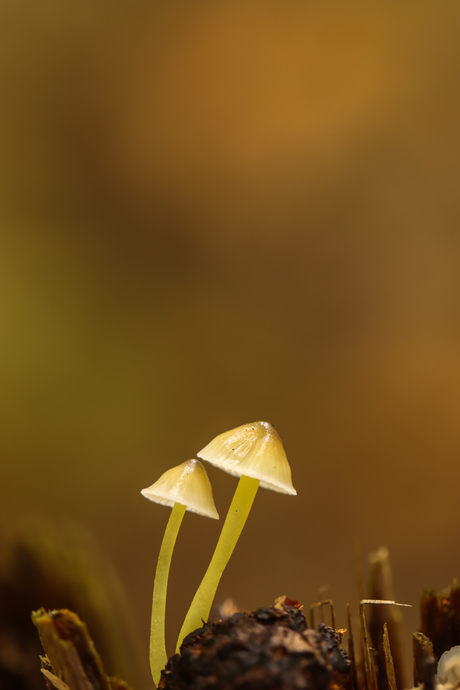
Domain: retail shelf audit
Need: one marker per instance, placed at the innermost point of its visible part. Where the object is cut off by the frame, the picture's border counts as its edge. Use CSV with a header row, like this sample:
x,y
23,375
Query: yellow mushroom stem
x,y
158,656
234,522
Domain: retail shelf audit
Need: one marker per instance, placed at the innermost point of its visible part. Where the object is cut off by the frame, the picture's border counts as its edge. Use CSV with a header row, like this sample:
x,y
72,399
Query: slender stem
x,y
158,656
234,523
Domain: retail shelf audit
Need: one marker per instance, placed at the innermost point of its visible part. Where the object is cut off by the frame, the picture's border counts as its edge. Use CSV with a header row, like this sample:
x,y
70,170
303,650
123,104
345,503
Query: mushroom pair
x,y
255,453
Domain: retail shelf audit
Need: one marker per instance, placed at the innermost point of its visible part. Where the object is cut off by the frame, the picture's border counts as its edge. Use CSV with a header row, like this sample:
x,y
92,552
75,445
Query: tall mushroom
x,y
254,452
185,487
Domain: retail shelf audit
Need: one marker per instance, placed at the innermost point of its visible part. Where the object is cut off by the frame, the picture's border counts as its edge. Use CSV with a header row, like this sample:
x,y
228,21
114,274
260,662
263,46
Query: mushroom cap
x,y
253,450
449,666
187,484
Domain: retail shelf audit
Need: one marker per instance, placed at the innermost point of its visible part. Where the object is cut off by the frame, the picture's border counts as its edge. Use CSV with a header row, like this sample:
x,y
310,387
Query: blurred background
x,y
220,212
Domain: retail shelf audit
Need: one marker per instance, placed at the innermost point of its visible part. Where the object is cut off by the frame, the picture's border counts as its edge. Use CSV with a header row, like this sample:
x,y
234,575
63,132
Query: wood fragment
x,y
365,644
440,612
366,640
46,667
320,604
72,662
428,673
48,565
351,650
389,665
54,680
373,657
422,648
381,589
384,601
284,601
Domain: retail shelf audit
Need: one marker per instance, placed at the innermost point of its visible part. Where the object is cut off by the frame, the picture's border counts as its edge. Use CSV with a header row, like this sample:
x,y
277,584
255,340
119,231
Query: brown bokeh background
x,y
218,212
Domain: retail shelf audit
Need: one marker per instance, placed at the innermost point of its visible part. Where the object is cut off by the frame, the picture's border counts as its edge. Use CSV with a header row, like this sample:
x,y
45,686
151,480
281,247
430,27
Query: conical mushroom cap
x,y
187,484
253,450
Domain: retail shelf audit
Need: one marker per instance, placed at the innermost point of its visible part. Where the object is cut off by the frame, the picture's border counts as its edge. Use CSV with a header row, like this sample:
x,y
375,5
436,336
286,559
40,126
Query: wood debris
x,y
71,662
269,648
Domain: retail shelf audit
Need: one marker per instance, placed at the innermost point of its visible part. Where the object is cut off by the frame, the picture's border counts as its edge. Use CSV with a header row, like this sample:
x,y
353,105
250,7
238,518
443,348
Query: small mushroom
x,y
449,667
185,487
255,453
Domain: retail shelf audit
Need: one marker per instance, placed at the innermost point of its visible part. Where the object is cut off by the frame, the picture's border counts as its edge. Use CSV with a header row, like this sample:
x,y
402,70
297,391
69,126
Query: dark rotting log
x,y
269,648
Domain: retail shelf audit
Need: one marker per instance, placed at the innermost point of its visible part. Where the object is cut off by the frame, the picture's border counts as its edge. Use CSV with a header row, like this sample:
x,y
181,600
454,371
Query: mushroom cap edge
x,y
187,484
253,450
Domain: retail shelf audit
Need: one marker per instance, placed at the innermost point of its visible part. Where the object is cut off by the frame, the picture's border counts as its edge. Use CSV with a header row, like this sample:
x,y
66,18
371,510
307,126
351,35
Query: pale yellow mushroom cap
x,y
253,450
187,484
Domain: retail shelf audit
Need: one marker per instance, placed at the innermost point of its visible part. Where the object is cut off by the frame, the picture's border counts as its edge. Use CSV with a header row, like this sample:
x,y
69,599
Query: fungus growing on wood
x,y
185,487
254,452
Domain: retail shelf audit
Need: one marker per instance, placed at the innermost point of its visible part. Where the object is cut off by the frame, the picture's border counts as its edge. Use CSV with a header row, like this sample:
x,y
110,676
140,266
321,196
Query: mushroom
x,y
254,452
449,667
185,487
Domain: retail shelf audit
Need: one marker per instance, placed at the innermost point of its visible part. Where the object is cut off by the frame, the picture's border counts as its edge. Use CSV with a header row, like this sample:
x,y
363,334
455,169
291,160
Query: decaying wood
x,y
368,675
381,587
55,567
71,662
422,649
428,673
389,665
319,605
375,676
351,651
268,648
440,613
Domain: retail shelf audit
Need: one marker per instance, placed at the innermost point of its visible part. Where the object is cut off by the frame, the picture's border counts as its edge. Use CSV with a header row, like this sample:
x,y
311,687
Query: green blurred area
x,y
215,213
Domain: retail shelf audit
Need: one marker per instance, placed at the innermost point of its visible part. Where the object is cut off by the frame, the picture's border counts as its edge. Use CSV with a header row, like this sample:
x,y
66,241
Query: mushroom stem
x,y
158,656
234,522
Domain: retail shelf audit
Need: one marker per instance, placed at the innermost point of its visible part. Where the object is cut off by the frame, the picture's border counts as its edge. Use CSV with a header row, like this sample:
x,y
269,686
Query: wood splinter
x,y
388,659
71,661
320,604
